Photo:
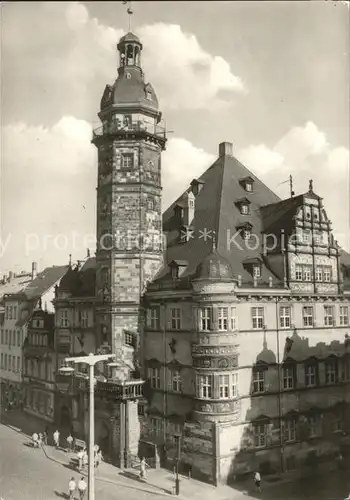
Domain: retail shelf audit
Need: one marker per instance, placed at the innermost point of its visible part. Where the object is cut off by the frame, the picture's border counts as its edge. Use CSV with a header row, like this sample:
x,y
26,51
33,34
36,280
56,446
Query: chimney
x,y
225,149
10,275
88,253
34,270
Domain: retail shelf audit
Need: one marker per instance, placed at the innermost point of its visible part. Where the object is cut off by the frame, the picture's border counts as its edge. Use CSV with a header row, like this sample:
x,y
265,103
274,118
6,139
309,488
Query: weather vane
x,y
129,11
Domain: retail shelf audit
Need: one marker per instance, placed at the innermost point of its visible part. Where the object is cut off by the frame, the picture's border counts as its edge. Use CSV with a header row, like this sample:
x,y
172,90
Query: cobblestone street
x,y
36,474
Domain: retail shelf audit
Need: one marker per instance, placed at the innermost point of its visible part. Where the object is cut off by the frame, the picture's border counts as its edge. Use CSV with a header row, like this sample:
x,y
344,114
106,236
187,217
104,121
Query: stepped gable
x,y
216,210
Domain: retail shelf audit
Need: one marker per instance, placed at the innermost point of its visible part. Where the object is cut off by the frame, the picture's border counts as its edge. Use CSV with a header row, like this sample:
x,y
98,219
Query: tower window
x,y
248,186
149,95
127,160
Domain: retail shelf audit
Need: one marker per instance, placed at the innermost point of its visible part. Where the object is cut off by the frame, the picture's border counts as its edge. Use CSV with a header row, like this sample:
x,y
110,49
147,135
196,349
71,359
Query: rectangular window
x,y
331,372
10,312
222,319
256,271
306,237
285,317
289,430
327,274
154,377
344,316
128,338
244,209
258,381
14,337
205,386
337,423
288,377
308,316
156,426
246,234
299,273
18,364
224,386
2,336
64,319
205,318
233,321
314,426
13,364
257,318
328,315
5,361
260,432
153,317
127,160
310,375
176,318
319,273
234,384
176,382
307,273
18,338
84,318
14,312
6,337
2,361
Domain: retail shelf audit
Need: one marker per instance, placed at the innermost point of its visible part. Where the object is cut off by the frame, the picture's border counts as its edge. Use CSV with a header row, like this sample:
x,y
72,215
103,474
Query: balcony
x,y
140,128
128,390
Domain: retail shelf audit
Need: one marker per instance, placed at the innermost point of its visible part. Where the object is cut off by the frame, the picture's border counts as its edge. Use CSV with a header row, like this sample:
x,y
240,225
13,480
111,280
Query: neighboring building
x,y
20,296
241,333
246,345
39,365
12,336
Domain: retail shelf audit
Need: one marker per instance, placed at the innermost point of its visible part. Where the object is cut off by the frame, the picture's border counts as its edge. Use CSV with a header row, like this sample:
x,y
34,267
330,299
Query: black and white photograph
x,y
175,250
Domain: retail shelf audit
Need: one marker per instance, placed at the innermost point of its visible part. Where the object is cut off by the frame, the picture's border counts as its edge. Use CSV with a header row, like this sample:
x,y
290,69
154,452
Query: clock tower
x,y
129,220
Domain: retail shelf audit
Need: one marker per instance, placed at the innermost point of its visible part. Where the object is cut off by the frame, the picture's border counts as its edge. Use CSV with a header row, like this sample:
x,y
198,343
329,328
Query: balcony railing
x,y
143,126
131,389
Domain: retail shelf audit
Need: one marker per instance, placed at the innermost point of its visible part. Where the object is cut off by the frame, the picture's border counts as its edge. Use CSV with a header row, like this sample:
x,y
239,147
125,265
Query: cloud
x,y
184,74
305,153
49,177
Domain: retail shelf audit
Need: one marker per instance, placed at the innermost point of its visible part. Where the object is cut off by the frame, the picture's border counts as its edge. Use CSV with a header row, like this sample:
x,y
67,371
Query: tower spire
x,y
130,13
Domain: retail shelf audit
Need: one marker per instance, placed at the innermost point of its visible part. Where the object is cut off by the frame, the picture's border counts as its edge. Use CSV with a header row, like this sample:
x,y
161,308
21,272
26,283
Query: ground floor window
x,y
260,432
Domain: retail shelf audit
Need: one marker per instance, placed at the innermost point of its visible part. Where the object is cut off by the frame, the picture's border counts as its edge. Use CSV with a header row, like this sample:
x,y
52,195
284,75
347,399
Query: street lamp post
x,y
178,456
90,360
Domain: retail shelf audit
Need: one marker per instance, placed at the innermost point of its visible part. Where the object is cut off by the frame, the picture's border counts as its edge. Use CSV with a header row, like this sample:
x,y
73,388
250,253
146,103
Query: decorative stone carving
x,y
218,407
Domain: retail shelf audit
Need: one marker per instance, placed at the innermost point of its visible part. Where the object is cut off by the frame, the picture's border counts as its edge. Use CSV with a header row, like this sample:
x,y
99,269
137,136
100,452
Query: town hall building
x,y
233,336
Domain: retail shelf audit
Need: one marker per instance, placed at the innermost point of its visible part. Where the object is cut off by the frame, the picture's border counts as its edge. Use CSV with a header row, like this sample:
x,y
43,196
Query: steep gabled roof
x,y
216,210
44,281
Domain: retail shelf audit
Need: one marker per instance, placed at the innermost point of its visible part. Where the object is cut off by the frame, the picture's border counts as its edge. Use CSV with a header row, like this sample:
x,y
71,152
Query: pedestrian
x,y
82,488
56,438
257,481
40,440
45,437
80,455
72,486
96,448
69,442
98,458
85,458
143,464
35,439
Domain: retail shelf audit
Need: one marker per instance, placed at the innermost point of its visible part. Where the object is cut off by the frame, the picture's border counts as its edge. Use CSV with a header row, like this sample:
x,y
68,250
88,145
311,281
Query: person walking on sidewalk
x,y
56,438
35,439
257,481
69,443
45,437
72,486
82,488
143,465
98,459
80,455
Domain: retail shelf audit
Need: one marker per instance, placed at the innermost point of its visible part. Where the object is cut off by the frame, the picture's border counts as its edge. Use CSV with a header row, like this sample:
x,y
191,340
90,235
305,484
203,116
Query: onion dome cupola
x,y
214,267
130,91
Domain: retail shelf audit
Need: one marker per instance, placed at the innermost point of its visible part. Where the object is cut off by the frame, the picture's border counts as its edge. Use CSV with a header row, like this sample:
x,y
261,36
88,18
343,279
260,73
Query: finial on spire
x,y
129,11
70,259
311,186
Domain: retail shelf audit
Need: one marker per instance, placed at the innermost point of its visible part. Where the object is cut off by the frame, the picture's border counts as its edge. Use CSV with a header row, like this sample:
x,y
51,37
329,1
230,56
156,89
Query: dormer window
x,y
149,95
256,270
243,205
196,186
245,230
246,234
247,183
177,267
244,209
179,212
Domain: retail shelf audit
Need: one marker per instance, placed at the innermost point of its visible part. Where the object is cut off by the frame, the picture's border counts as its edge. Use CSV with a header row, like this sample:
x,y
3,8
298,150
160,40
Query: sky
x,y
270,77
